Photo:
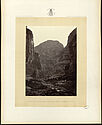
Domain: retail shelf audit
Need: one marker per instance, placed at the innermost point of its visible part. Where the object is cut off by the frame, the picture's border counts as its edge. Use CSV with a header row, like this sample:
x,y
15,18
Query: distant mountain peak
x,y
50,43
49,46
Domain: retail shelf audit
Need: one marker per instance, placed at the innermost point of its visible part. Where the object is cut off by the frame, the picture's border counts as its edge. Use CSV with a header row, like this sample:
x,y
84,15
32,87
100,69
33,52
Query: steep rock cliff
x,y
49,51
71,48
56,66
68,57
57,61
33,66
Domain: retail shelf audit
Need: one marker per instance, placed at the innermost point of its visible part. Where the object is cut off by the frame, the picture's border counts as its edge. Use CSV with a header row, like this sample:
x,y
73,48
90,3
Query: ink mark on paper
x,y
51,12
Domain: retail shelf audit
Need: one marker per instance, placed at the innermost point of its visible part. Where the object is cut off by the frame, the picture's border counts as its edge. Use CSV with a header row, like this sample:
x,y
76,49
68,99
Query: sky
x,y
44,33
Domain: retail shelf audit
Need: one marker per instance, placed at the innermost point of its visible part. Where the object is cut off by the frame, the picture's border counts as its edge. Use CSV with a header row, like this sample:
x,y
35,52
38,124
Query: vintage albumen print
x,y
51,61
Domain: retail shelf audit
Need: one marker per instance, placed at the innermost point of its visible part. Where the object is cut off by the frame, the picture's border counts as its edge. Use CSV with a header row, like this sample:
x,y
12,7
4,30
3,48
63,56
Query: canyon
x,y
50,67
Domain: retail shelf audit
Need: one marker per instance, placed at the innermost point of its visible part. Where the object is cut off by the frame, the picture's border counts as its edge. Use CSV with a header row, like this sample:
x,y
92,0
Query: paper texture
x,y
21,99
13,9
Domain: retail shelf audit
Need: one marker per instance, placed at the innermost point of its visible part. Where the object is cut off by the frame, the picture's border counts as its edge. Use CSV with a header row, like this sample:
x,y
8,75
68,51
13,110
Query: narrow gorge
x,y
51,67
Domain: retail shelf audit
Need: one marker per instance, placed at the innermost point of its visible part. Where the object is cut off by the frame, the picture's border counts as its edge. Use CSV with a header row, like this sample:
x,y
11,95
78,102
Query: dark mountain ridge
x,y
48,52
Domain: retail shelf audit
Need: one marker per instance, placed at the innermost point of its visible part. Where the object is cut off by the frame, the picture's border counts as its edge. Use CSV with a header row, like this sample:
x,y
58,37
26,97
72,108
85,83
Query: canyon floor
x,y
50,87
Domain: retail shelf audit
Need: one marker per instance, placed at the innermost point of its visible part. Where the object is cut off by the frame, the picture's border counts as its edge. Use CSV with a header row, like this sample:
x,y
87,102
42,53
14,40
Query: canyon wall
x,y
33,65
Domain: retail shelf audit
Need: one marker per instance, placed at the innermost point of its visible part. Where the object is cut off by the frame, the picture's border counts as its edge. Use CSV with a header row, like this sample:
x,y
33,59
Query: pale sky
x,y
43,33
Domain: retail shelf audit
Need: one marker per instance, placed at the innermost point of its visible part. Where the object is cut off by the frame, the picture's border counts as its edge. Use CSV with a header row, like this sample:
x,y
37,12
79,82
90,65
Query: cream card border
x,y
50,101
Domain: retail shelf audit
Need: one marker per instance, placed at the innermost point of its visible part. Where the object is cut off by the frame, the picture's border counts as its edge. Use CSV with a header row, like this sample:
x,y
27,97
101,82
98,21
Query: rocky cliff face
x,y
48,53
68,56
29,51
32,58
51,66
70,68
57,61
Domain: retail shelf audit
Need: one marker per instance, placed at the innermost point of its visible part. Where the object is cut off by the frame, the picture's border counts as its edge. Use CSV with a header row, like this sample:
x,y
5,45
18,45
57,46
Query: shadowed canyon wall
x,y
33,65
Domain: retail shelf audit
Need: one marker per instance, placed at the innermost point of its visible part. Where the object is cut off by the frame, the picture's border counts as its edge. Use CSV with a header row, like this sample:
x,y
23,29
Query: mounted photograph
x,y
51,61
